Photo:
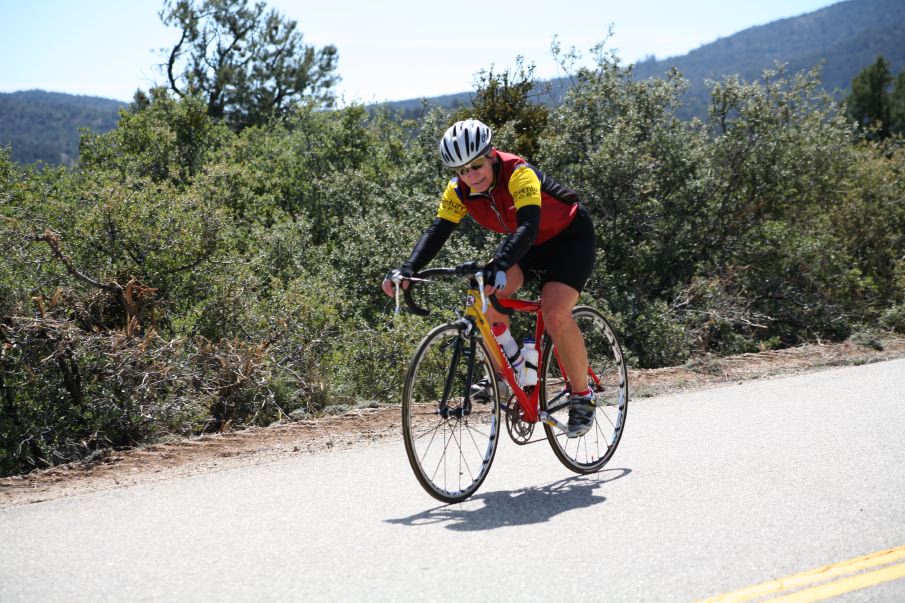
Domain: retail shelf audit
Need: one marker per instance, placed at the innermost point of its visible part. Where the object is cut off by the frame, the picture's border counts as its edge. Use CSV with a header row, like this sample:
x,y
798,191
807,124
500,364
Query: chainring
x,y
520,431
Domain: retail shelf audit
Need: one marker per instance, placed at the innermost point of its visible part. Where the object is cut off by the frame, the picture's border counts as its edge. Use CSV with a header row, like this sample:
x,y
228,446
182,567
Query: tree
x,y
868,103
897,106
247,63
504,99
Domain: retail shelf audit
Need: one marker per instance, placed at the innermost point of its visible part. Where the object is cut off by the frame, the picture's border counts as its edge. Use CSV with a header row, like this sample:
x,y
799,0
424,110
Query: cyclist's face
x,y
479,179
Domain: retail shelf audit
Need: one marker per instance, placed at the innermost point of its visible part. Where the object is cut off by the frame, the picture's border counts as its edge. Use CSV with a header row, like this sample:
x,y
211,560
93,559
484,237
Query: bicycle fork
x,y
459,350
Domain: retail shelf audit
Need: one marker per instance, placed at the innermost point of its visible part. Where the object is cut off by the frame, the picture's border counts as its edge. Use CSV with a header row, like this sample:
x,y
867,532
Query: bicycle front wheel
x,y
450,439
607,378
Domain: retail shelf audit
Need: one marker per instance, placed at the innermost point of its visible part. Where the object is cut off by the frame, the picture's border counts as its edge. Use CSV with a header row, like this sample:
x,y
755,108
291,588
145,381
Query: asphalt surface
x,y
709,492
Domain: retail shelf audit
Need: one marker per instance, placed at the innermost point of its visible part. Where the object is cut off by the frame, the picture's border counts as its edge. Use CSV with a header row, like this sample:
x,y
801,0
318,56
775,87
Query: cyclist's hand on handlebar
x,y
399,275
495,280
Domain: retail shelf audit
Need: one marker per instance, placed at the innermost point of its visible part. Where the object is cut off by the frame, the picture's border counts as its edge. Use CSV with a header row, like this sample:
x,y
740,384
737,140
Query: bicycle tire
x,y
590,452
450,456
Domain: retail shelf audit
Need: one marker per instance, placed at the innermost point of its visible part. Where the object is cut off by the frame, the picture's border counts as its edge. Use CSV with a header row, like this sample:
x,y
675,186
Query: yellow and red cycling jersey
x,y
516,184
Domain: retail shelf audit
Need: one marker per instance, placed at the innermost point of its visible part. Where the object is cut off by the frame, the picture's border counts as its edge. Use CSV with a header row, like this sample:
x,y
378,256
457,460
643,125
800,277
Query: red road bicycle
x,y
451,439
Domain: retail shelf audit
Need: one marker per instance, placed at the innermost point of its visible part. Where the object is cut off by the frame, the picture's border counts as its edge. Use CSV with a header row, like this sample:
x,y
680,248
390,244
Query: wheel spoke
x,y
608,379
474,441
450,456
433,434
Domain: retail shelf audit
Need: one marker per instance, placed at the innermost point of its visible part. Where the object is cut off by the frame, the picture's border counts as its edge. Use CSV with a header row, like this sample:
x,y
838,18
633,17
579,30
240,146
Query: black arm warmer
x,y
430,243
517,244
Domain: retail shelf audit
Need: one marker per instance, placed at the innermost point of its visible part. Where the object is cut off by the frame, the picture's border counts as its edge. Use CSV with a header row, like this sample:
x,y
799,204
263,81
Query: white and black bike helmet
x,y
463,142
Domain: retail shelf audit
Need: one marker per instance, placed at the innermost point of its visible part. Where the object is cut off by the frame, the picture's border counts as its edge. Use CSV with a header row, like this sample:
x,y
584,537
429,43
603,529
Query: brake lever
x,y
397,286
479,276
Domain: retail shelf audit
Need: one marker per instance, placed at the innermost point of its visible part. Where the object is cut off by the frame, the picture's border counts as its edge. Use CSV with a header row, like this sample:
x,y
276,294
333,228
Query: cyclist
x,y
548,233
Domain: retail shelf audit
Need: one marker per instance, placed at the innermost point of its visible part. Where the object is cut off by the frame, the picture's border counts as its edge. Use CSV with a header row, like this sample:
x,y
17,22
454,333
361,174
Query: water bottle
x,y
529,368
509,345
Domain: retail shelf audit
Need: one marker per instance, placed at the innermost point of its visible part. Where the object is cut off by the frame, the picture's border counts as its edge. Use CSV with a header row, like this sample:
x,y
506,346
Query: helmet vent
x,y
464,141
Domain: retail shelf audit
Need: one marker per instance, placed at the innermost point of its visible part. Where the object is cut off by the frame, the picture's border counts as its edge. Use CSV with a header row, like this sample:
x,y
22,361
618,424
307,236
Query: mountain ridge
x,y
843,38
45,126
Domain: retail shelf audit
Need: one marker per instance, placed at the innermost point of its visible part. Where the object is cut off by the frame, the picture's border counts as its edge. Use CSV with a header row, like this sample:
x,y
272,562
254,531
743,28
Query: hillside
x,y
844,38
44,126
187,278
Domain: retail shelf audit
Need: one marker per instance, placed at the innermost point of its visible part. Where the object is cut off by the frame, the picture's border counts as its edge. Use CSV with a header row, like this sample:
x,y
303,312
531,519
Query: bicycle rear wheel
x,y
607,378
450,440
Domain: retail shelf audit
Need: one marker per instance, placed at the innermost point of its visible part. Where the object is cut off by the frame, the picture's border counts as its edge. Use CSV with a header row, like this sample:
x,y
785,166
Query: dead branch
x,y
53,241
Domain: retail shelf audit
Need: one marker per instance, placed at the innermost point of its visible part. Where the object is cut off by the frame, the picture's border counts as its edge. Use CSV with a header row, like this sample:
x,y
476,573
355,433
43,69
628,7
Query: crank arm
x,y
547,419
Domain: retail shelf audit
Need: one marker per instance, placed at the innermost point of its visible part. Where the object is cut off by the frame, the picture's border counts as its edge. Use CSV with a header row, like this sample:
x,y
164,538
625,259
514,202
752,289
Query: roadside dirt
x,y
254,446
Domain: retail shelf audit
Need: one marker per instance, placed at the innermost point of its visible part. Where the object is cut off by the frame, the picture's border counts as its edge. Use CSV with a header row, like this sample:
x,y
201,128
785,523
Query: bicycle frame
x,y
451,444
474,309
475,304
529,403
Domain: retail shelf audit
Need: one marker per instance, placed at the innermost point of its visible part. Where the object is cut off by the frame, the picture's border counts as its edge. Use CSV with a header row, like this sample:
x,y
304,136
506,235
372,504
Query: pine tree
x,y
869,102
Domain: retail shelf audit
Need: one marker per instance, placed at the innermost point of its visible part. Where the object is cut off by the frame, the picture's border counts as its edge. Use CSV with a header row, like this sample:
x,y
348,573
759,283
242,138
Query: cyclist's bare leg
x,y
514,280
557,301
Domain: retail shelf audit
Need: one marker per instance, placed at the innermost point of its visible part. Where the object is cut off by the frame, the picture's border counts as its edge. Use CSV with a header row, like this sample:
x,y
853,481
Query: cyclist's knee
x,y
558,319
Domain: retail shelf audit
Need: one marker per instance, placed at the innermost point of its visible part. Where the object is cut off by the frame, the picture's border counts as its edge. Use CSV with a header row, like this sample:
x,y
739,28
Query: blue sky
x,y
388,50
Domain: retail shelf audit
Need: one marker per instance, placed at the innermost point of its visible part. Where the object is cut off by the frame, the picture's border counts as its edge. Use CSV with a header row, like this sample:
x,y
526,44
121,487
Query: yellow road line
x,y
844,585
843,568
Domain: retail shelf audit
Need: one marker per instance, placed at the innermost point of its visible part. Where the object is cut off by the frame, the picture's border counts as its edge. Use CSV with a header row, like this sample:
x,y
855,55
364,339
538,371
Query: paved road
x,y
709,492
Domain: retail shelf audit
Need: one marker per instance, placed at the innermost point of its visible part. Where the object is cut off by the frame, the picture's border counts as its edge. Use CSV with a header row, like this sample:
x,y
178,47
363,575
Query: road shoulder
x,y
367,426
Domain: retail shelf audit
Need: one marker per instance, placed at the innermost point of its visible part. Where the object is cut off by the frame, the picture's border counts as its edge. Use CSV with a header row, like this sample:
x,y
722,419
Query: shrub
x,y
67,393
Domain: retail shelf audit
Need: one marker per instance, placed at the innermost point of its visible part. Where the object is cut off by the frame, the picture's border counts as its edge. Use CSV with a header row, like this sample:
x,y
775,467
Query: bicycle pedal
x,y
546,419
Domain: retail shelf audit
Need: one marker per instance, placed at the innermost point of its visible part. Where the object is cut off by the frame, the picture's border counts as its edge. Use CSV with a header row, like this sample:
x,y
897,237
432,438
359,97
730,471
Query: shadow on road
x,y
490,510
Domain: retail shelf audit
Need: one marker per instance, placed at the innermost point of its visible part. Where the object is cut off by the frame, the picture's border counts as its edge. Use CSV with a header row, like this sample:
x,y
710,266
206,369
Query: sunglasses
x,y
474,165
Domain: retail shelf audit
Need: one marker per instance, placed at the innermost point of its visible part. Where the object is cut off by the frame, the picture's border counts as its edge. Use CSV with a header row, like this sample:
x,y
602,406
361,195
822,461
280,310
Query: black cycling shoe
x,y
581,416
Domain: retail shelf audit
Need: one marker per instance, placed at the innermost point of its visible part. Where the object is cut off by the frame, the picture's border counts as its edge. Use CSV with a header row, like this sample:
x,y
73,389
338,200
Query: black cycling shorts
x,y
566,258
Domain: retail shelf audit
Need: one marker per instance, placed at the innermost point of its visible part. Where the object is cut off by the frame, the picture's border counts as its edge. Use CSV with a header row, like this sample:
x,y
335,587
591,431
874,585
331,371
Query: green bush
x,y
186,278
657,338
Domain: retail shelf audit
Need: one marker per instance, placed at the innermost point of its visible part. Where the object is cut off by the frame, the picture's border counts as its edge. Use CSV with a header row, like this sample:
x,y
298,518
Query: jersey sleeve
x,y
451,206
524,186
